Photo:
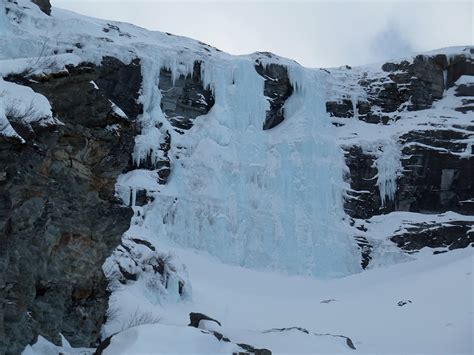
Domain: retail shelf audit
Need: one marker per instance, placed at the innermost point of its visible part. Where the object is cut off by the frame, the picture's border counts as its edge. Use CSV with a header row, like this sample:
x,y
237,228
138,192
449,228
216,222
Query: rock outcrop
x,y
137,259
415,104
195,318
402,86
44,5
184,98
277,89
442,236
59,216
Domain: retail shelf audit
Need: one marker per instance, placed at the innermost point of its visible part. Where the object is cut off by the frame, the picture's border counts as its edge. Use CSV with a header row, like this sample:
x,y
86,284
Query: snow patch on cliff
x,y
22,105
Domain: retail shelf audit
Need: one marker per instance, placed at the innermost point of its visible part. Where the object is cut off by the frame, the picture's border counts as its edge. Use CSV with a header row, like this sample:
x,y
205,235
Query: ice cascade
x,y
260,199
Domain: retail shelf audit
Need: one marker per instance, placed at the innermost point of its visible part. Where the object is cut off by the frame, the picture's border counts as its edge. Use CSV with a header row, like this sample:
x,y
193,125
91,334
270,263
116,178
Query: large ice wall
x,y
261,199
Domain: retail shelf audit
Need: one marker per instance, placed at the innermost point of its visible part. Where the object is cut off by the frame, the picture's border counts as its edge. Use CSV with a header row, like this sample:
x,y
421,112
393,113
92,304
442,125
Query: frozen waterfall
x,y
261,199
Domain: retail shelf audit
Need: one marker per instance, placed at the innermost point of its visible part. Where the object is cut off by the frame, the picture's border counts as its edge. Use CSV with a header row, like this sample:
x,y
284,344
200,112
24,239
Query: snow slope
x,y
438,320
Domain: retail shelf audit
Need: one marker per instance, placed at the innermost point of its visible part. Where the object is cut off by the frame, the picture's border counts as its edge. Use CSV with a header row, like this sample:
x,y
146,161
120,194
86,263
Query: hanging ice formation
x,y
261,199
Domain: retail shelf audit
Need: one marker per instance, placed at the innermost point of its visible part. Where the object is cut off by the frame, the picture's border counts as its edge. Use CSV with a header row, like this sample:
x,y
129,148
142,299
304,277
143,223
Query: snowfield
x,y
436,319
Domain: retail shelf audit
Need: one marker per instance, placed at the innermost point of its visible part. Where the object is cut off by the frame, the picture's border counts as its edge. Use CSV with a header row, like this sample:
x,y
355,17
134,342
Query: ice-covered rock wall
x,y
407,130
266,199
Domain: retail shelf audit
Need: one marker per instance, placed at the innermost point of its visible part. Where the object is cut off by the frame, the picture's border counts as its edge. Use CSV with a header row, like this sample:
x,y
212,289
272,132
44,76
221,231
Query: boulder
x,y
44,5
196,318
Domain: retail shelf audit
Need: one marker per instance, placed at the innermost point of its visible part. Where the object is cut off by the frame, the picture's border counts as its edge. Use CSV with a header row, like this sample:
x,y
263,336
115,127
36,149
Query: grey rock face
x,y
465,90
436,173
436,177
44,5
195,318
184,99
412,86
343,108
364,198
59,217
278,89
435,180
459,65
365,250
453,235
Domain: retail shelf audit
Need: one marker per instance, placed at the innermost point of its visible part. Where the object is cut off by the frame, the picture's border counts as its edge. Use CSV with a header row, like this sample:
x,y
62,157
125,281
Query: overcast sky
x,y
315,33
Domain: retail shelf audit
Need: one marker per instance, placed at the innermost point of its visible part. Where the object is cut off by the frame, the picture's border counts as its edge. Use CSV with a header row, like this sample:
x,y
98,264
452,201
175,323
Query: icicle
x,y
354,100
134,196
388,166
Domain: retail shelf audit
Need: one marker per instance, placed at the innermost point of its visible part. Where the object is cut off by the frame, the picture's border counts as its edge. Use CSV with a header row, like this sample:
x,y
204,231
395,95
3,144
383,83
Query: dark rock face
x,y
343,108
421,81
408,86
437,169
459,65
44,5
250,350
437,162
184,99
365,251
465,90
278,89
162,166
59,217
452,235
195,318
363,199
435,180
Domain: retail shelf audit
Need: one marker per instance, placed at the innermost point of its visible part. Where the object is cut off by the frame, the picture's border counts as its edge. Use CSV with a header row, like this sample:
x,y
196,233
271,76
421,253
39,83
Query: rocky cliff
x,y
71,181
59,217
422,108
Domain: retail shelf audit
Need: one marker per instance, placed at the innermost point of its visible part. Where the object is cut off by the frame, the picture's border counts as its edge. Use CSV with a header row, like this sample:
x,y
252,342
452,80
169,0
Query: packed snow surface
x,y
436,315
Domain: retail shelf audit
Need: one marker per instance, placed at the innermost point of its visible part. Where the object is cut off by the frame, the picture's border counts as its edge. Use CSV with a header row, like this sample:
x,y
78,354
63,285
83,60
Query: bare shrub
x,y
16,112
44,62
112,313
139,318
